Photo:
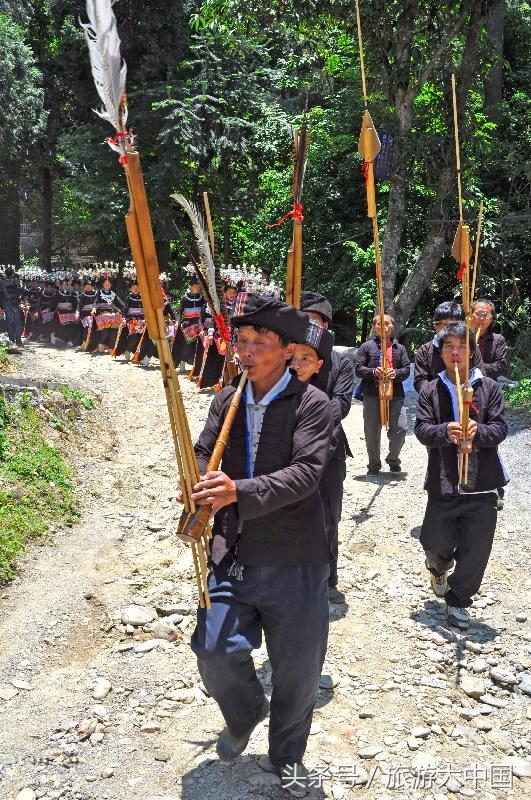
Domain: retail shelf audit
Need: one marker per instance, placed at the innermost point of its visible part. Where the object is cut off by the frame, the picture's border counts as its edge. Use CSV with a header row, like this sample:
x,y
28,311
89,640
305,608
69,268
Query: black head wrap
x,y
312,301
268,312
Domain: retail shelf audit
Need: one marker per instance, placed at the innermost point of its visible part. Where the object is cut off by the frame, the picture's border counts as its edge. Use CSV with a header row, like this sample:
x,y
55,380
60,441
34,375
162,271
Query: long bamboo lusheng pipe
x,y
464,447
362,60
294,257
210,226
109,72
476,253
289,272
141,240
461,253
369,147
297,263
457,150
192,525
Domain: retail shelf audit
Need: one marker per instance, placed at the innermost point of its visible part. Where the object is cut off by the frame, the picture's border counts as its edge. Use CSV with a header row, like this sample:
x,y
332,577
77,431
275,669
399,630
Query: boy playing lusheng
x,y
460,521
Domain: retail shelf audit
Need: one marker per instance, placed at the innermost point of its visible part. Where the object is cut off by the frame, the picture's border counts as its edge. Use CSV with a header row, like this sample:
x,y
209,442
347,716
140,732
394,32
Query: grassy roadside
x,y
519,396
35,481
6,361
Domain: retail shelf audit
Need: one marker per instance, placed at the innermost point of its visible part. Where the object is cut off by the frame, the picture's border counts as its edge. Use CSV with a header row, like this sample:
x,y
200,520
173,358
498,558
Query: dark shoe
x,y
295,779
458,617
439,584
229,747
335,596
373,471
394,466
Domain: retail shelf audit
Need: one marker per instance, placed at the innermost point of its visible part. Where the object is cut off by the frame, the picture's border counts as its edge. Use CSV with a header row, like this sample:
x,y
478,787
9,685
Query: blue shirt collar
x,y
475,375
275,390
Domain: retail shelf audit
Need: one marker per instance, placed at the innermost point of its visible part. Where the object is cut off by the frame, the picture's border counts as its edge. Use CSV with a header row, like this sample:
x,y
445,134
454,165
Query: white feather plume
x,y
206,258
108,69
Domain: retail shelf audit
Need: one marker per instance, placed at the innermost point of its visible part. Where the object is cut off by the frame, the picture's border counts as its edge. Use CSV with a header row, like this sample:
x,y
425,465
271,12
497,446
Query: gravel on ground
x,y
100,698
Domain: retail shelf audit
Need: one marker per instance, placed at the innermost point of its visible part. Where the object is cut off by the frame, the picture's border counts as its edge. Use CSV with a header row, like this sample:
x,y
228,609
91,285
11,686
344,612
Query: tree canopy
x,y
212,89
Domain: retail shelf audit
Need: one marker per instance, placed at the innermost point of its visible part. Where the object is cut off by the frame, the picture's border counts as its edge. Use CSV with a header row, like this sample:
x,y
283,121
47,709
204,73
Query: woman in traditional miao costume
x,y
65,326
202,344
185,339
147,349
108,311
47,310
133,325
31,306
84,309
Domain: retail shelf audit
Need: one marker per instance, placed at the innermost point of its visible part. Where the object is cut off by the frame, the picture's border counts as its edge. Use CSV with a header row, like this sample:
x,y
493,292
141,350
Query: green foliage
x,y
35,482
3,423
78,395
211,89
519,396
6,362
22,117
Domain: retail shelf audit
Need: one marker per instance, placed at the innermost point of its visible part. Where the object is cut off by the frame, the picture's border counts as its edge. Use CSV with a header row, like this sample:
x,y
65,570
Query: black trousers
x,y
331,491
290,605
461,529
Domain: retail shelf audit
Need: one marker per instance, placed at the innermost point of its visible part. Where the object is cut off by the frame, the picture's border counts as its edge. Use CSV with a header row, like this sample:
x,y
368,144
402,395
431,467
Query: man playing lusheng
x,y
269,565
460,521
369,369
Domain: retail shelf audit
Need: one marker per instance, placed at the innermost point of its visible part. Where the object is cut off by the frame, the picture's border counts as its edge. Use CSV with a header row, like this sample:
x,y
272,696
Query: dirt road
x,y
94,710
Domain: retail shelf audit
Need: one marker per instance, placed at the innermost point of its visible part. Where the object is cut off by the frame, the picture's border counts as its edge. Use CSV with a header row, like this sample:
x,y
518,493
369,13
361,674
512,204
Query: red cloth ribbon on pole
x,y
471,405
365,166
222,327
295,213
115,140
461,271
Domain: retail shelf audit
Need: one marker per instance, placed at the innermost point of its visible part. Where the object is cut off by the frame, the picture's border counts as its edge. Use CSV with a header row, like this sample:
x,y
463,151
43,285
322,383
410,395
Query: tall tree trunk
x,y
404,87
438,237
403,101
435,245
494,83
396,209
47,203
163,254
9,225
